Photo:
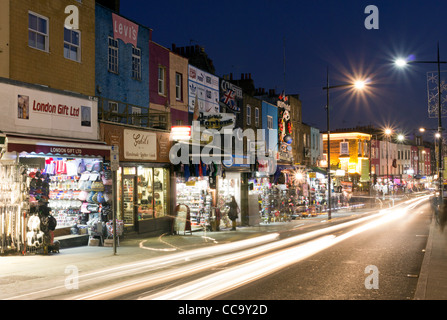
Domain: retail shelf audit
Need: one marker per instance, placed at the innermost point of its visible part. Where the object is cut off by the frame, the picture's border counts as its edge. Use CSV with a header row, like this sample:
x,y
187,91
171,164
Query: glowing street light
x,y
401,62
359,85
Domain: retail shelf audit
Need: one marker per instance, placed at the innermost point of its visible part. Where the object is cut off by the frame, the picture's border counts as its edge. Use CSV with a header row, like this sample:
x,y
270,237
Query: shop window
x,y
152,197
198,196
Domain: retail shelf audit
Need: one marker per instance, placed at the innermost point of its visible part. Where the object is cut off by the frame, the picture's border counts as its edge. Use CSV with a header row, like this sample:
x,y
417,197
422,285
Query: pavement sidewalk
x,y
432,283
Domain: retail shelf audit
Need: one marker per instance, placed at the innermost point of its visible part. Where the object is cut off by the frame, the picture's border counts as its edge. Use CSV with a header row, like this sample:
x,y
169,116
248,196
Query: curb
x,y
421,288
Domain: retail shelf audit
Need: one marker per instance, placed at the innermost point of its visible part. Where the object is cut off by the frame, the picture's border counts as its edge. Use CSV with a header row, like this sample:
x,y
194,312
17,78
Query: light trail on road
x,y
128,269
223,281
208,258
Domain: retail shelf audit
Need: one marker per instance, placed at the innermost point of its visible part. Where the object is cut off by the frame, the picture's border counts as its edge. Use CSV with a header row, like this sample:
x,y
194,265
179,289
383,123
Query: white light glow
x,y
401,62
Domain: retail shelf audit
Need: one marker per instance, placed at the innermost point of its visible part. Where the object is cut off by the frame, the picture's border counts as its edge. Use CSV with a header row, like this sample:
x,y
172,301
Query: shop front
x,y
50,158
68,177
234,182
143,178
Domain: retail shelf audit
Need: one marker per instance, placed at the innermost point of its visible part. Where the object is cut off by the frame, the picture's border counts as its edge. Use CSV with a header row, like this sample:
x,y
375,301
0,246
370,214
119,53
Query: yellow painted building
x,y
36,48
349,152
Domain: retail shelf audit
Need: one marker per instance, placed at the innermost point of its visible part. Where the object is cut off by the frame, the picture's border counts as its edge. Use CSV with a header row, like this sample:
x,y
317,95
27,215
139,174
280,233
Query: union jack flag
x,y
229,100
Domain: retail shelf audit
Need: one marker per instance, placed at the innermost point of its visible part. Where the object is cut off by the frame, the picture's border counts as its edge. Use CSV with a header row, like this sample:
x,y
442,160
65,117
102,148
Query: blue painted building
x,y
270,122
122,68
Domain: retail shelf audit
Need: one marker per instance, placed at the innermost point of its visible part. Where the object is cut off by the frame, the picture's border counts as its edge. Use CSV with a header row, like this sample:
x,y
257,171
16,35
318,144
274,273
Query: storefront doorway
x,y
142,197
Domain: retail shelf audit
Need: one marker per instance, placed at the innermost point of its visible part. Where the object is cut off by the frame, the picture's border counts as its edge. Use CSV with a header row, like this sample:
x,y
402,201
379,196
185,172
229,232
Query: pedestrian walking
x,y
233,212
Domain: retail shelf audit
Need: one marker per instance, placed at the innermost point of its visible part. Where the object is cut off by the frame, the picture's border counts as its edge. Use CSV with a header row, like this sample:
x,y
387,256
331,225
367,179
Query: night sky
x,y
254,37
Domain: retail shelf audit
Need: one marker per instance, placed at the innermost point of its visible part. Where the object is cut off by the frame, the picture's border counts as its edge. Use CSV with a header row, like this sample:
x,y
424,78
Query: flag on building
x,y
282,96
228,99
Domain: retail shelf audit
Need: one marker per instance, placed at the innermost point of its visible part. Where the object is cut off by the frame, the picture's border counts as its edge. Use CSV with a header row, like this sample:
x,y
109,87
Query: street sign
x,y
114,158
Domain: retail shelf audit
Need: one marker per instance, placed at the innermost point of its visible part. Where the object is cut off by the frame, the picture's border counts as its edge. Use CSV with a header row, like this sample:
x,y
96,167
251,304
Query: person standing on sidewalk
x,y
233,212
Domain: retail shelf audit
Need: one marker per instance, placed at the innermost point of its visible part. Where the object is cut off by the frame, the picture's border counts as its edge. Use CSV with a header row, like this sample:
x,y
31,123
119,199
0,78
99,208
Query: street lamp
x,y
359,85
402,63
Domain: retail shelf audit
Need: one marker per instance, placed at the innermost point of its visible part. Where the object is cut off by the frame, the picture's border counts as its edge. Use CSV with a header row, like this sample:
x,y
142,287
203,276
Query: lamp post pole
x,y
359,85
329,187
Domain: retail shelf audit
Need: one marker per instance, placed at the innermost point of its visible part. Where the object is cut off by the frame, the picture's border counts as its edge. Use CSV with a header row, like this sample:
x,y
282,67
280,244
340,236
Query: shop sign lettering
x,y
139,145
63,150
125,30
60,109
216,121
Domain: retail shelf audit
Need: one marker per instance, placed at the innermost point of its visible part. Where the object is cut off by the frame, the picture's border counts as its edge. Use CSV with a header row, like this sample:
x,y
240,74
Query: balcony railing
x,y
126,113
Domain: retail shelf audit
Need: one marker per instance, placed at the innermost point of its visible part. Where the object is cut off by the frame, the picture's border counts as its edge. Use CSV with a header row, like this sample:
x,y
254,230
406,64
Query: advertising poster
x,y
203,90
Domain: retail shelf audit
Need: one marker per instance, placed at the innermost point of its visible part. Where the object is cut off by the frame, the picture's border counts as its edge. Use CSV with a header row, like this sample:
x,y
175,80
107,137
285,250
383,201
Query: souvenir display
x,y
13,208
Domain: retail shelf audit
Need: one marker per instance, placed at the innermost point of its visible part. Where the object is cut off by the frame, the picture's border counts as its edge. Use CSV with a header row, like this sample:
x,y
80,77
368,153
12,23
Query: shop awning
x,y
56,147
319,170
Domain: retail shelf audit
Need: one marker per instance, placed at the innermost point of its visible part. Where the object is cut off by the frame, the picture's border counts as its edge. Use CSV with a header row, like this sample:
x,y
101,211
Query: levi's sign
x,y
125,30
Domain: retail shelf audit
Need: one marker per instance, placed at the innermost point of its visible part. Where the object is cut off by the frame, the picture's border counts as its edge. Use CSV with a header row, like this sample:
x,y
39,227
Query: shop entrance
x,y
128,208
142,197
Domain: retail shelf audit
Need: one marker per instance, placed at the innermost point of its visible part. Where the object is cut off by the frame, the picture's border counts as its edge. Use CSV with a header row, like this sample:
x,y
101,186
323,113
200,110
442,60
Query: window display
x,y
75,190
198,197
142,194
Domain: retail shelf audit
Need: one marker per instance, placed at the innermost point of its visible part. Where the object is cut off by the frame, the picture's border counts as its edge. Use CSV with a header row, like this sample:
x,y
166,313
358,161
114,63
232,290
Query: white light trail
x,y
153,264
232,278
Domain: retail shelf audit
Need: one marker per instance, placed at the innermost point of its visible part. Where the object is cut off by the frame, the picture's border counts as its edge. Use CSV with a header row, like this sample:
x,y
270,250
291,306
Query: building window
x,y
72,45
344,148
136,63
38,36
248,114
269,122
113,55
257,117
113,109
161,80
178,87
136,116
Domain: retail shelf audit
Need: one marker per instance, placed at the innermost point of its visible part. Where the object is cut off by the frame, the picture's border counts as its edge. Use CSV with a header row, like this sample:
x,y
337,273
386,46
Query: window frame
x,y
256,116
248,114
136,63
70,44
112,48
161,82
37,32
269,122
178,86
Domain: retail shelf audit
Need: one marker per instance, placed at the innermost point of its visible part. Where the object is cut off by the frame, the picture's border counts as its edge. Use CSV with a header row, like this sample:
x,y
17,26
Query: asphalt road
x,y
312,260
340,272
